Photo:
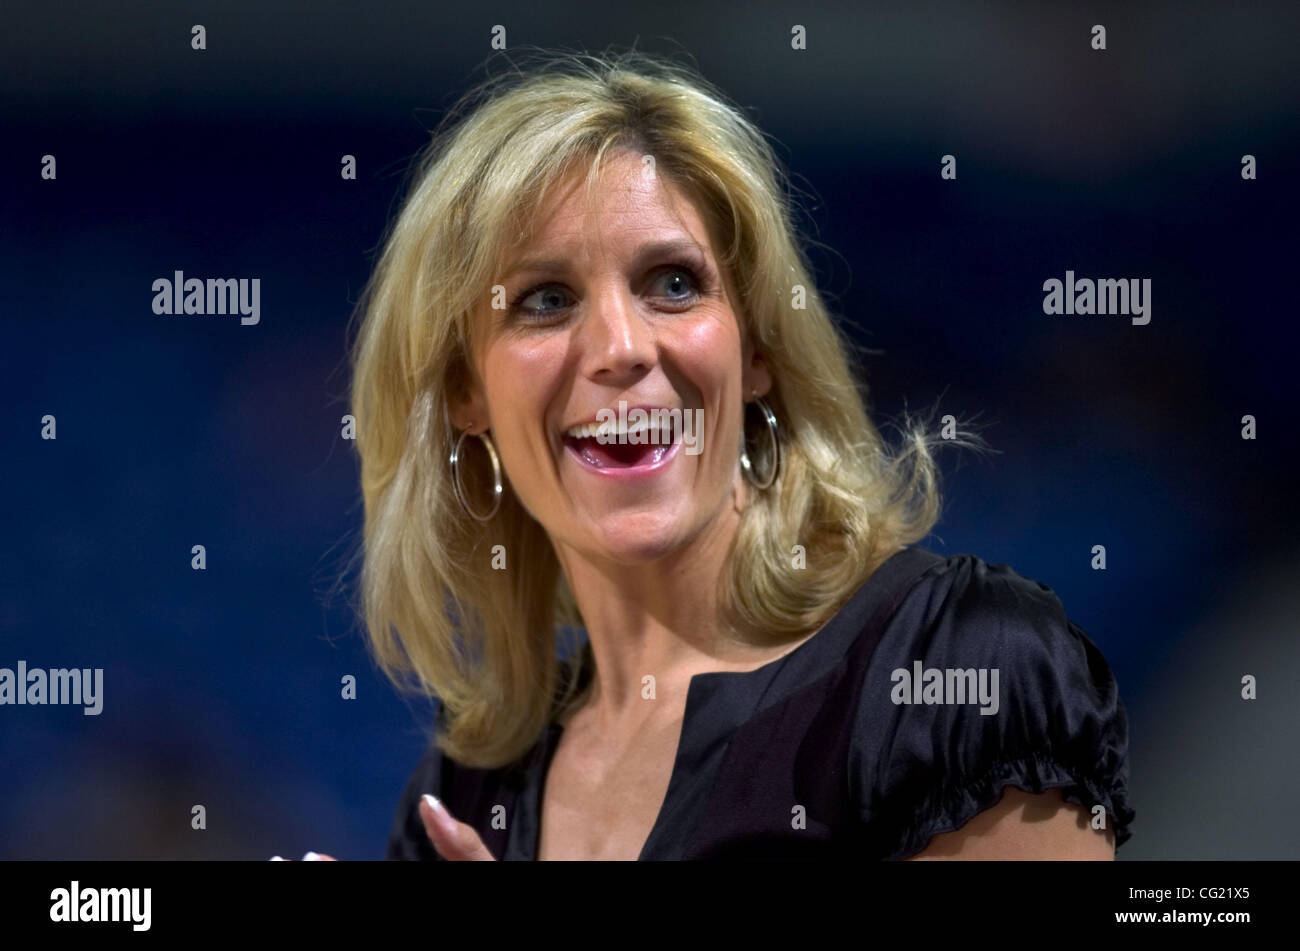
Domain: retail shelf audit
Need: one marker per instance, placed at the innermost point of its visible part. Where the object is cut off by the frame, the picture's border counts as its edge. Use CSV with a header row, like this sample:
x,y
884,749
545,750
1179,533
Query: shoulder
x,y
407,840
980,681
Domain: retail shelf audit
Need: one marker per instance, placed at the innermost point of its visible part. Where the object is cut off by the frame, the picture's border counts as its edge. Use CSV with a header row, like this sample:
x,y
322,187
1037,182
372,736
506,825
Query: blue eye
x,y
553,298
553,290
692,286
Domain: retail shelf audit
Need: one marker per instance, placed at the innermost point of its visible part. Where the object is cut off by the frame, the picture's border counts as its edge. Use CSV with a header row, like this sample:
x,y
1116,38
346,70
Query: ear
x,y
756,377
466,402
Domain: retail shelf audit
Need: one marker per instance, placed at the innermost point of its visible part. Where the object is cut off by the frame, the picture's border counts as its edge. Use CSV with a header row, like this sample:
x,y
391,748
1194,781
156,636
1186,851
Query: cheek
x,y
521,382
709,350
708,353
519,378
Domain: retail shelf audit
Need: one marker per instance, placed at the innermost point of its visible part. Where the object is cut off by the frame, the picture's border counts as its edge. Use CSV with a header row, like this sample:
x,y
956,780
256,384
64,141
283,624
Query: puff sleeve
x,y
980,682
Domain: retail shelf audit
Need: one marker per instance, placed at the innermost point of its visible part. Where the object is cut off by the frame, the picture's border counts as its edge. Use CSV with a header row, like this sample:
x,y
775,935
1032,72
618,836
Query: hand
x,y
455,841
309,857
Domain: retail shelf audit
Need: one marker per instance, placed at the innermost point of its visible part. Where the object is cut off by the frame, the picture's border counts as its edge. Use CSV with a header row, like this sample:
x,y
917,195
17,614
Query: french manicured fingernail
x,y
312,857
277,858
440,812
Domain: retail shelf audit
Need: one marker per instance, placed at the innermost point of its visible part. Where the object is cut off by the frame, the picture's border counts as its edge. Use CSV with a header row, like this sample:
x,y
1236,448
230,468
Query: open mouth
x,y
636,447
615,455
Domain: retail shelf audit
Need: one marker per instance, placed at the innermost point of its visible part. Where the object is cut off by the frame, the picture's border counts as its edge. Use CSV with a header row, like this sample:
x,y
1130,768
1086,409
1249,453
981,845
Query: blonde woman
x,y
596,390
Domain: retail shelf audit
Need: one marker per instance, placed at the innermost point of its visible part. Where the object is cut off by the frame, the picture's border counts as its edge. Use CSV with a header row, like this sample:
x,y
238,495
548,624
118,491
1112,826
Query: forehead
x,y
630,204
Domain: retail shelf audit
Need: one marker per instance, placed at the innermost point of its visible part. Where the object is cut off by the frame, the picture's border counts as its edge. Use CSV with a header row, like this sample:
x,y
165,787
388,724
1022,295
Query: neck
x,y
657,619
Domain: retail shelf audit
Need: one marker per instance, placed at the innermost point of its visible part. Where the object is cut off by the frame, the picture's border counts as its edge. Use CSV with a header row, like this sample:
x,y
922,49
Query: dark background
x,y
222,687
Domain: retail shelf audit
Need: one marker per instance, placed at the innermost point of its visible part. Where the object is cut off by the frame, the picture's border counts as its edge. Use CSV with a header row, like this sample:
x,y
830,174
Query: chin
x,y
641,538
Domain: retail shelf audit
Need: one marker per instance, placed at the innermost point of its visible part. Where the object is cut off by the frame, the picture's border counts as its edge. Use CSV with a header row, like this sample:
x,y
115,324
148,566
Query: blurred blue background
x,y
222,687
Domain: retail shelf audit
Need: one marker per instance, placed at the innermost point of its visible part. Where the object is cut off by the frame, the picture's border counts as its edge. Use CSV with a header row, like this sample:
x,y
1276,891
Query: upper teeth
x,y
612,429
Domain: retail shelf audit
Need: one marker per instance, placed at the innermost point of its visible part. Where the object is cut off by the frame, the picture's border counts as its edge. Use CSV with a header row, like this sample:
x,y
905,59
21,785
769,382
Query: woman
x,y
769,669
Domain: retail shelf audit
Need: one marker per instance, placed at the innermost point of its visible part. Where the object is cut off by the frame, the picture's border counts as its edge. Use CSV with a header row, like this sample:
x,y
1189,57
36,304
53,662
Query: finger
x,y
455,841
309,857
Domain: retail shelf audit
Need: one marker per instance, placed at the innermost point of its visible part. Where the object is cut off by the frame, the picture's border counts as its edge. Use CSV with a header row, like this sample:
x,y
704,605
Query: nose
x,y
618,346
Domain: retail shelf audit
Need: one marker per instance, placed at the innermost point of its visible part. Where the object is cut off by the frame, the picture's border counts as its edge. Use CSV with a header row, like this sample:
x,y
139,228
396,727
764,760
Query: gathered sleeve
x,y
1011,693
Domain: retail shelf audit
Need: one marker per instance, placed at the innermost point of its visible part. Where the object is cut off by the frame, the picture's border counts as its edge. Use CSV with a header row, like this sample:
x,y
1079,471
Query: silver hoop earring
x,y
461,495
746,465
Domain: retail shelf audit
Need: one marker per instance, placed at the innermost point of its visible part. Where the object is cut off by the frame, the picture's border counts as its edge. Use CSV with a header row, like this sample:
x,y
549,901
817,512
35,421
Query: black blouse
x,y
940,682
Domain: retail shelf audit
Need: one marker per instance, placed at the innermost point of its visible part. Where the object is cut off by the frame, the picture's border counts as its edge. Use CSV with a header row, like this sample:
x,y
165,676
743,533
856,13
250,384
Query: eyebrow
x,y
655,249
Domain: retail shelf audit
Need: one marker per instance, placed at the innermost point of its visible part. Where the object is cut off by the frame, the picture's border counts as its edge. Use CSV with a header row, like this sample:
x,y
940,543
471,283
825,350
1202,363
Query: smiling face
x,y
623,300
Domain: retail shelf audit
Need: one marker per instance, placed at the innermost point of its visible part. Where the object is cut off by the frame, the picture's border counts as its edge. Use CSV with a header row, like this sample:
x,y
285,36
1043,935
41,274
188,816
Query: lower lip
x,y
627,472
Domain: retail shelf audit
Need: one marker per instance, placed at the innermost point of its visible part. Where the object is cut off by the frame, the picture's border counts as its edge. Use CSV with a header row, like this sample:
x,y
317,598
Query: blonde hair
x,y
483,642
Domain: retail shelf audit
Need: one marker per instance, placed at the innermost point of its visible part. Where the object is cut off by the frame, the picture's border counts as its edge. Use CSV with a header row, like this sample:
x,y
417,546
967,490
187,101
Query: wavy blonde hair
x,y
482,641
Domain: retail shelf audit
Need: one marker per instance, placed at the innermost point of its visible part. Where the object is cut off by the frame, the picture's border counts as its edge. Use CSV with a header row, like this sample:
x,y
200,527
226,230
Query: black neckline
x,y
709,689
805,648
